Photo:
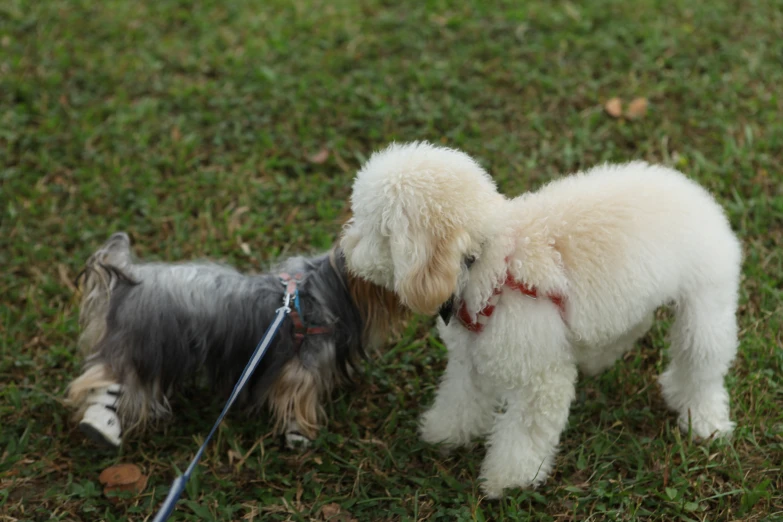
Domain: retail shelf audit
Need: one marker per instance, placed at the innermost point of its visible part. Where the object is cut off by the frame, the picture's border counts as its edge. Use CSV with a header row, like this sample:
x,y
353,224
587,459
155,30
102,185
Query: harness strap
x,y
482,317
300,329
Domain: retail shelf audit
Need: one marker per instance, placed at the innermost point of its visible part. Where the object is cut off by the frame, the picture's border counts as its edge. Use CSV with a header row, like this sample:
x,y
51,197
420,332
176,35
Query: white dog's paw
x,y
502,470
435,428
704,408
453,429
704,426
494,487
523,475
295,440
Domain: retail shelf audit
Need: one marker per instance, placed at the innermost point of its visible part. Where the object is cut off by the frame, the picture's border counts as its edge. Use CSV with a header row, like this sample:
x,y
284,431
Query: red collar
x,y
482,317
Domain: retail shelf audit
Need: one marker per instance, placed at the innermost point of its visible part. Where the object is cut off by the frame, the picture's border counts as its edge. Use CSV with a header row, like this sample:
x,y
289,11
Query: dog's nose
x,y
446,310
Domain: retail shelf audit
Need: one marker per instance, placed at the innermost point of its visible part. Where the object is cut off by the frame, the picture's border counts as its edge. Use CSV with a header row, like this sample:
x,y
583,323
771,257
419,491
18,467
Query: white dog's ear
x,y
426,267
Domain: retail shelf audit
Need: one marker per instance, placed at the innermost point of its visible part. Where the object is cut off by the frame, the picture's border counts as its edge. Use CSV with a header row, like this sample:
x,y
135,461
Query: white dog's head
x,y
418,212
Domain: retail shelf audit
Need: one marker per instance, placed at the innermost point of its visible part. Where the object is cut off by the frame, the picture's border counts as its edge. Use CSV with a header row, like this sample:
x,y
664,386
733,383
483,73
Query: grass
x,y
191,125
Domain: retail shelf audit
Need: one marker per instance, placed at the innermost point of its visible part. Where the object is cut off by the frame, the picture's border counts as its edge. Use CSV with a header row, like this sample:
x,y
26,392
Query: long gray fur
x,y
167,323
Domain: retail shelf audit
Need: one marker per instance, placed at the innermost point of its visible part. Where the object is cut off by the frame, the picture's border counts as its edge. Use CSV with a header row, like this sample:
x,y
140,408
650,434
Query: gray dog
x,y
148,329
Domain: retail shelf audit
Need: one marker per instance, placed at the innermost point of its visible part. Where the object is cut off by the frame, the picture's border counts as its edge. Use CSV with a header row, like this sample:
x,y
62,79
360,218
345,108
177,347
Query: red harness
x,y
300,330
482,317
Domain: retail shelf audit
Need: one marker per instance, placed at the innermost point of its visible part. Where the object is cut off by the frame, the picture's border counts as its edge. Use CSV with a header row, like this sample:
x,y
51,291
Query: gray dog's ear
x,y
116,251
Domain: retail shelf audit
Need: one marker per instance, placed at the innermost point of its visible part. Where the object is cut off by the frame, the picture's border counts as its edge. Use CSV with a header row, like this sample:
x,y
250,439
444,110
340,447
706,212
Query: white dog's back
x,y
627,238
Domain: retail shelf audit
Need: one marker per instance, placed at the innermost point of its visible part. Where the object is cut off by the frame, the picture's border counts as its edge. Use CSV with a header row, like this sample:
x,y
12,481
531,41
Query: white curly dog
x,y
534,287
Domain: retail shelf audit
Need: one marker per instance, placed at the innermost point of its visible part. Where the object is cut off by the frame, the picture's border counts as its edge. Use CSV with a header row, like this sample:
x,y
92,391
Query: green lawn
x,y
191,126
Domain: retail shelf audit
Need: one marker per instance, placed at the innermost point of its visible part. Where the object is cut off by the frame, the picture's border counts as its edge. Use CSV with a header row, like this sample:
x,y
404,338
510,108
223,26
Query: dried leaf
x,y
614,107
330,510
334,513
134,487
319,157
119,475
637,108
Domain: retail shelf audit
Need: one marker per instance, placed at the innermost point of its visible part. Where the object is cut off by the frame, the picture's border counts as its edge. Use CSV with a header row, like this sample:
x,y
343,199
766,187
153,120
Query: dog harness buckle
x,y
292,293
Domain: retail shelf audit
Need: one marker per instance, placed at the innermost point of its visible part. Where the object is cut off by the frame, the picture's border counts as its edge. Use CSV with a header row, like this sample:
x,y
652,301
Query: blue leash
x,y
178,486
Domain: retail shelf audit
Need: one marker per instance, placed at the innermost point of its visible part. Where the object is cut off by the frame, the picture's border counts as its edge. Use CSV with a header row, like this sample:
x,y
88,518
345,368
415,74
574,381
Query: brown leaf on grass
x,y
113,492
136,487
614,107
319,157
330,511
334,512
121,478
120,475
636,109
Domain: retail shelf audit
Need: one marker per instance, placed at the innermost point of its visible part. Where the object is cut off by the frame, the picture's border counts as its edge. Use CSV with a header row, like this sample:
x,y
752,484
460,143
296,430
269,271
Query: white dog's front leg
x,y
462,409
523,442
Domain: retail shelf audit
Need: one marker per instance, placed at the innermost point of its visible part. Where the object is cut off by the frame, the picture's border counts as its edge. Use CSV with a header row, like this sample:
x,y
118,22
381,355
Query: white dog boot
x,y
294,438
100,422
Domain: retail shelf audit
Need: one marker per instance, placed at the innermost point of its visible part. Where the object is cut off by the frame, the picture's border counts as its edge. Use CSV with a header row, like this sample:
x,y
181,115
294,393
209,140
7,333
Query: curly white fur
x,y
616,242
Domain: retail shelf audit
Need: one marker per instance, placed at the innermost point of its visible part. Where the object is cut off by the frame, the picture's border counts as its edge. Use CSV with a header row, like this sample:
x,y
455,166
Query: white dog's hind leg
x,y
704,343
462,409
594,361
523,443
